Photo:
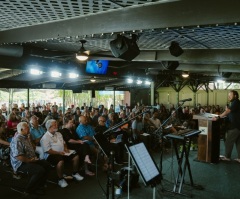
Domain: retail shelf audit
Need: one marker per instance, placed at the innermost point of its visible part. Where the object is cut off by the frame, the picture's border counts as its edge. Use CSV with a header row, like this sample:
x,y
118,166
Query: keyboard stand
x,y
183,164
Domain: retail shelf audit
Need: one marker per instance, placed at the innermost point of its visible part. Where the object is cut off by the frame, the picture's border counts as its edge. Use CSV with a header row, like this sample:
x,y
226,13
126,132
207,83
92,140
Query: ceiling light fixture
x,y
35,72
93,79
147,82
73,75
82,55
56,74
129,80
185,74
139,81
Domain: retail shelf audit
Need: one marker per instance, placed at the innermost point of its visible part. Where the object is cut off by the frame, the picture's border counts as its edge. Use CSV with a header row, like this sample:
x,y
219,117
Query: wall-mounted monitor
x,y
98,67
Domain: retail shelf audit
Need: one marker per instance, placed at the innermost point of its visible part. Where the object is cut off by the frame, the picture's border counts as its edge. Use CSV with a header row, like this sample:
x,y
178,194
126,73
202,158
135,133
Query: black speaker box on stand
x,y
124,48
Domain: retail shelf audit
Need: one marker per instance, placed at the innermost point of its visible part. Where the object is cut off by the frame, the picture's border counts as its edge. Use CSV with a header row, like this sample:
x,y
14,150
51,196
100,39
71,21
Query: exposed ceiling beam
x,y
173,14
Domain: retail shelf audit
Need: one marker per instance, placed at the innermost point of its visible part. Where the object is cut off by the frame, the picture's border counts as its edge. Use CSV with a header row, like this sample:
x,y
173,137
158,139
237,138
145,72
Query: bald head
x,y
82,120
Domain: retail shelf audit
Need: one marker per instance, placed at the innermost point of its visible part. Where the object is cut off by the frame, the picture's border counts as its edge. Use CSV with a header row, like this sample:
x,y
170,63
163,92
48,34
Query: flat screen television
x,y
97,67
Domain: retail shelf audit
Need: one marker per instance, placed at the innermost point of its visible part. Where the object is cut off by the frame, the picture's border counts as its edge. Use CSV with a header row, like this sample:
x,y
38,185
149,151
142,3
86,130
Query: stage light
x,y
56,74
147,82
139,81
185,74
129,80
73,75
35,72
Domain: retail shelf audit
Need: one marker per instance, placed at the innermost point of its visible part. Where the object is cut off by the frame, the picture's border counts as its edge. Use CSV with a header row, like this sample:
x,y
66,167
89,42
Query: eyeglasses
x,y
102,121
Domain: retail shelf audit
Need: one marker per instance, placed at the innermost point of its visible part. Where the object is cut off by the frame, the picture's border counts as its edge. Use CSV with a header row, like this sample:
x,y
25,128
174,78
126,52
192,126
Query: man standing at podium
x,y
233,132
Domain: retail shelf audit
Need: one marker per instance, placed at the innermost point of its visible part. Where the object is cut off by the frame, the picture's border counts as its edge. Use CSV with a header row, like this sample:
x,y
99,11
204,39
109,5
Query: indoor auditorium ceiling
x,y
47,34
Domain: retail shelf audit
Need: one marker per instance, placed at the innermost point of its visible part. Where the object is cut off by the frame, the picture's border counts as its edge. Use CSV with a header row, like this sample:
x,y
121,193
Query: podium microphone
x,y
185,100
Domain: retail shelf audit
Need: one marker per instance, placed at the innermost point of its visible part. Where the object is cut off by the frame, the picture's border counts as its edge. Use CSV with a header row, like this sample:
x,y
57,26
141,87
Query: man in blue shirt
x,y
36,131
86,132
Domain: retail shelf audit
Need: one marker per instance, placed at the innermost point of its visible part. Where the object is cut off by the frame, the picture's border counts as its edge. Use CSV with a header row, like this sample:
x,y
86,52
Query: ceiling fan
x,y
82,54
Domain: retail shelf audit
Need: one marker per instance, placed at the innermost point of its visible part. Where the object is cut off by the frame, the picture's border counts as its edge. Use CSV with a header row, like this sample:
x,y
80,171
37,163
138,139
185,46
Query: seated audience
x,y
155,120
23,159
13,120
86,132
137,127
26,115
148,126
36,132
117,147
73,142
56,152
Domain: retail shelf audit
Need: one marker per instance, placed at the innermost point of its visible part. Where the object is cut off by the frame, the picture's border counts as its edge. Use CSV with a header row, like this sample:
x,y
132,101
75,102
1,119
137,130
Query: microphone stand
x,y
128,119
111,176
110,173
159,131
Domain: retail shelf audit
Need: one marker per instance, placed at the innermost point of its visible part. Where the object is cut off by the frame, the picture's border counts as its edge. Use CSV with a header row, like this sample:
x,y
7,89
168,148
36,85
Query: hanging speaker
x,y
175,49
226,74
124,48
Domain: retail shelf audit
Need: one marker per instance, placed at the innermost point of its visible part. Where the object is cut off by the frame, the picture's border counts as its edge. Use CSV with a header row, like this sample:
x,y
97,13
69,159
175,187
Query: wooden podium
x,y
209,139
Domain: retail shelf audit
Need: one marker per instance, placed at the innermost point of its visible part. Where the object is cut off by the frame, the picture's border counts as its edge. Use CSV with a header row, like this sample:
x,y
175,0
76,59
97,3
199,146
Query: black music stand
x,y
145,164
183,160
103,143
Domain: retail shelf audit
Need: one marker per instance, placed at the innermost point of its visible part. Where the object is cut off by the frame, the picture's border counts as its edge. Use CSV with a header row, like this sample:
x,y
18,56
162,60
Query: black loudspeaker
x,y
124,48
226,74
172,65
175,49
93,93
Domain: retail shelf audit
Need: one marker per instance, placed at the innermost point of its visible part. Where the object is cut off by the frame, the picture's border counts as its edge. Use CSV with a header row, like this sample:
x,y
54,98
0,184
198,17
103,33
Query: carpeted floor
x,y
219,181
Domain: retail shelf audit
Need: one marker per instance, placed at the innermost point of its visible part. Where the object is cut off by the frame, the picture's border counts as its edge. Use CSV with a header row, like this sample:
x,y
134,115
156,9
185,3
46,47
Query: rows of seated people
x,y
57,138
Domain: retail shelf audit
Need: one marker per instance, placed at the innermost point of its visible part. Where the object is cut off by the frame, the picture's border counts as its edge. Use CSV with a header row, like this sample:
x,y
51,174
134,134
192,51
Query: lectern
x,y
208,139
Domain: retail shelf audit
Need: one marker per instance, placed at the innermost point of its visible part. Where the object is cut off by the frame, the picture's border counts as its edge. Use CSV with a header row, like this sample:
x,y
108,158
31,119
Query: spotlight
x,y
73,75
35,72
147,82
175,49
129,80
56,74
185,74
139,81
